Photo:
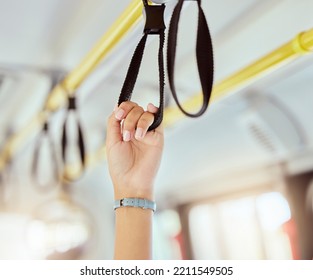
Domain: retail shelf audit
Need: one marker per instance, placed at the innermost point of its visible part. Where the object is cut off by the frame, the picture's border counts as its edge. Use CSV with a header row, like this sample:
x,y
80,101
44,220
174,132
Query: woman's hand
x,y
134,154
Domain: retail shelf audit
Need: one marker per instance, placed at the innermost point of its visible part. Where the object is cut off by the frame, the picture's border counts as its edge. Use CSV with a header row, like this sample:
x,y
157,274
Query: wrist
x,y
139,192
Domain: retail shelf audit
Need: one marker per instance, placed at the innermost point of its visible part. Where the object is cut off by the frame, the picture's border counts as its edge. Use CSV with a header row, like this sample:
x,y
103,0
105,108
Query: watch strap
x,y
135,202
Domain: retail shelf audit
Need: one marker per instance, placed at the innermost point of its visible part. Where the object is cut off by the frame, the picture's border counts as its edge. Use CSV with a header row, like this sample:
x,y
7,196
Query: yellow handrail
x,y
58,96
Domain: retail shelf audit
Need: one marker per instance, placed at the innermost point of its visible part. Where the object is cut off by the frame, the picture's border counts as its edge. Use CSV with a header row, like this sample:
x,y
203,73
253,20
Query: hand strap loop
x,y
154,26
45,136
204,53
80,137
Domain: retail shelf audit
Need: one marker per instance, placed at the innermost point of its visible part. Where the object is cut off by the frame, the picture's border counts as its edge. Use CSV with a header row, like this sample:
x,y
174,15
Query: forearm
x,y
133,233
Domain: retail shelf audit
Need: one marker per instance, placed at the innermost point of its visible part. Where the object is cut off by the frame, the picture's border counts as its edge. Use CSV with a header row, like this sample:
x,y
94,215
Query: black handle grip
x,y
132,75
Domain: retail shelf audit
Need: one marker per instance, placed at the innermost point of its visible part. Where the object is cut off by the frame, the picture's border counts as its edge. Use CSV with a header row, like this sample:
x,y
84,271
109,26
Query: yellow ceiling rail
x,y
58,96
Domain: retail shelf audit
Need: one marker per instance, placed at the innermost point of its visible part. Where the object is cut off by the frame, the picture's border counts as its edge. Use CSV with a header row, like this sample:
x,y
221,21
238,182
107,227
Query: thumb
x,y
153,109
114,133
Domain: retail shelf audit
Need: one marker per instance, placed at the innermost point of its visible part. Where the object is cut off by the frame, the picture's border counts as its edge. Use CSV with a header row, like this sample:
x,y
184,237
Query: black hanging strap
x,y
154,26
45,136
204,53
80,137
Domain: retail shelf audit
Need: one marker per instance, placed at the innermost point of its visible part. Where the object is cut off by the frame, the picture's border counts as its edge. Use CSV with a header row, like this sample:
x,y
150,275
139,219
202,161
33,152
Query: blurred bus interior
x,y
236,183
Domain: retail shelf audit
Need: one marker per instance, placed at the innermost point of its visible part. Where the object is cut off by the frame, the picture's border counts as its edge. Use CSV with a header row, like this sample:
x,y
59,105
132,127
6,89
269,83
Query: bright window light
x,y
273,210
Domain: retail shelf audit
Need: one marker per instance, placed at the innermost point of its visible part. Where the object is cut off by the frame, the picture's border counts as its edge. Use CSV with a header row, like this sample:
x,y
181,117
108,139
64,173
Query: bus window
x,y
168,243
274,212
203,226
246,228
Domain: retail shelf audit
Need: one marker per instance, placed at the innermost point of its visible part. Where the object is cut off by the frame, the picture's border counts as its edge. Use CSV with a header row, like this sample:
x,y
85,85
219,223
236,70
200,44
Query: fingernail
x,y
139,133
152,108
119,114
126,135
115,108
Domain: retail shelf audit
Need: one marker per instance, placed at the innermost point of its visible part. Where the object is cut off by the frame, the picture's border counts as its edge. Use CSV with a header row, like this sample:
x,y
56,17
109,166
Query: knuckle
x,y
146,119
127,104
111,118
132,119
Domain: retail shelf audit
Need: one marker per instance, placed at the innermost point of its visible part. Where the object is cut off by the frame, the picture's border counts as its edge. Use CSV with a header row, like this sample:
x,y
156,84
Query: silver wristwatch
x,y
135,202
